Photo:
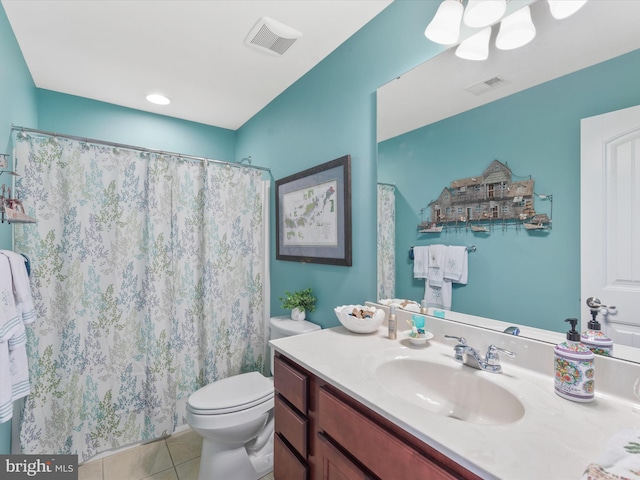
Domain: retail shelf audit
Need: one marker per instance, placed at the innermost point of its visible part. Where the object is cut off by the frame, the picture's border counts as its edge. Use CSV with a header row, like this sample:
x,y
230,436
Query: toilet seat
x,y
231,394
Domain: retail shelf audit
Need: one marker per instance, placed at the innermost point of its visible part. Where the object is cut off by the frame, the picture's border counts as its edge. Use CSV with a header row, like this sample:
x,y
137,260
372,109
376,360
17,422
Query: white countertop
x,y
555,439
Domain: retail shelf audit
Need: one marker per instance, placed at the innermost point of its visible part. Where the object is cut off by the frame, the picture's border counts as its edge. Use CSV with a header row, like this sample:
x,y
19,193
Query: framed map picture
x,y
313,214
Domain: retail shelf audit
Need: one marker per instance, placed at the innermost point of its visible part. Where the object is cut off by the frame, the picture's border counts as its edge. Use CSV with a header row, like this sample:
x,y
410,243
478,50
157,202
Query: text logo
x,y
39,467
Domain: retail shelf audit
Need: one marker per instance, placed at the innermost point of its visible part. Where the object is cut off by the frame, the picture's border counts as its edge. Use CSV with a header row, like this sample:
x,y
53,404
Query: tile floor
x,y
174,458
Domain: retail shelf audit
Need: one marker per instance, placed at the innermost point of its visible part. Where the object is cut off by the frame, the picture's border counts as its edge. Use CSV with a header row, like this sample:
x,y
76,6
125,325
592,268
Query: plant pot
x,y
297,314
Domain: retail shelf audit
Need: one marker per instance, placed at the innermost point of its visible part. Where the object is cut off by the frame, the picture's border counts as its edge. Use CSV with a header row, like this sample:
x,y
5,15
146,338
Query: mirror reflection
x,y
434,128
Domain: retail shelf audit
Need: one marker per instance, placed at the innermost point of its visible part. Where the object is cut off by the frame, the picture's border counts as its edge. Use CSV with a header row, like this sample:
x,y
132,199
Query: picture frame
x,y
313,214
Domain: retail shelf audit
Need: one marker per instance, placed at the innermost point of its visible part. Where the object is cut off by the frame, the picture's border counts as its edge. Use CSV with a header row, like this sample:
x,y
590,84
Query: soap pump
x,y
574,368
393,323
423,307
594,339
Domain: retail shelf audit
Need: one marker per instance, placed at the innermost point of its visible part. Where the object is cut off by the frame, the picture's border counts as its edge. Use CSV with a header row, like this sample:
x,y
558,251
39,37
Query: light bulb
x,y
445,26
561,9
476,47
482,13
158,99
516,30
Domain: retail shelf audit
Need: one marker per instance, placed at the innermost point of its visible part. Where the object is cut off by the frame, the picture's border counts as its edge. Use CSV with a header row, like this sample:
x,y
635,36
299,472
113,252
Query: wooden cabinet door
x,y
336,466
372,444
286,464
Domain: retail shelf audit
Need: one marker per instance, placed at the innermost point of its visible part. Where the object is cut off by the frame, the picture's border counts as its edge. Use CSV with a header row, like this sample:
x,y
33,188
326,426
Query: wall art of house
x,y
490,196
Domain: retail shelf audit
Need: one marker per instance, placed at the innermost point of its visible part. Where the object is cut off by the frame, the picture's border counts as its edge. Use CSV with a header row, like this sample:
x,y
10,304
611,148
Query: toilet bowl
x,y
234,417
228,414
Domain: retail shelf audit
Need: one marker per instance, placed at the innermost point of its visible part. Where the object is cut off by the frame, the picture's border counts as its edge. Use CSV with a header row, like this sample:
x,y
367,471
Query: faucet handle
x,y
461,340
492,357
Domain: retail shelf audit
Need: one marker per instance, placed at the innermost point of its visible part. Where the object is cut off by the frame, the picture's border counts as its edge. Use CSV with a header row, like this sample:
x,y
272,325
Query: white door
x,y
610,220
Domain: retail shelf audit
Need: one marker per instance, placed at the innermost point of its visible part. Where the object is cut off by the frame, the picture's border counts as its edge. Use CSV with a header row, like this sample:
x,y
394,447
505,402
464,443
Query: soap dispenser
x,y
594,339
574,369
393,323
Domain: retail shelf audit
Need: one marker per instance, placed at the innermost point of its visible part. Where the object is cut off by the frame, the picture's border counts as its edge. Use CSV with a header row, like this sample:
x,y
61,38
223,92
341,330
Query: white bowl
x,y
418,339
359,325
409,305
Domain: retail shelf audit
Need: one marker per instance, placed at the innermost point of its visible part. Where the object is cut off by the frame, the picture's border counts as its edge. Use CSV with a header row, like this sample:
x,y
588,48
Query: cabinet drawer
x,y
286,465
336,466
292,384
291,425
381,451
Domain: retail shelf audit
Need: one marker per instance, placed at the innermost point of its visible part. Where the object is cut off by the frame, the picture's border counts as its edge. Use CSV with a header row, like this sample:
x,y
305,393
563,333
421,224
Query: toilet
x,y
234,417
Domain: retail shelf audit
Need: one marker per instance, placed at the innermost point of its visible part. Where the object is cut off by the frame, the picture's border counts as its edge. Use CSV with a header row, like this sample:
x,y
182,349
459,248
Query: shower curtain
x,y
386,241
147,275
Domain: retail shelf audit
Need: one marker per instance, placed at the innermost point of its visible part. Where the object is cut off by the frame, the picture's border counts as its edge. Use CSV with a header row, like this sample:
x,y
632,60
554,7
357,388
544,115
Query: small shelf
x,y
11,209
11,215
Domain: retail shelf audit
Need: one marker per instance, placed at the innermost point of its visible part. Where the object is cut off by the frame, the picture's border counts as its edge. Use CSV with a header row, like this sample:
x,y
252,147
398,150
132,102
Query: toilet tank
x,y
280,327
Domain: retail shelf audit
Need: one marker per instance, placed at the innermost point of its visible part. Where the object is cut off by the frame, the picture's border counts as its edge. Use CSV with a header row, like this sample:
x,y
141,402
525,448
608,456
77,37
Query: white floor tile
x,y
184,446
90,471
138,463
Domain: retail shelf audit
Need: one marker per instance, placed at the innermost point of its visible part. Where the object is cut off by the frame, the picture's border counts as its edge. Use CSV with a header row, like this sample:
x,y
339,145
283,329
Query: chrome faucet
x,y
471,357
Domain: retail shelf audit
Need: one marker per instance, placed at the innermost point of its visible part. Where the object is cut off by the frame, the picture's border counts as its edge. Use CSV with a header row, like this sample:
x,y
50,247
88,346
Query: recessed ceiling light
x,y
158,99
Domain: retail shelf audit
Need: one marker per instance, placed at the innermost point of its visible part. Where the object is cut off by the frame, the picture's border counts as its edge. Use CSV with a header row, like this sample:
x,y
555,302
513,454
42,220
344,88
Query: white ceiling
x,y
118,51
435,90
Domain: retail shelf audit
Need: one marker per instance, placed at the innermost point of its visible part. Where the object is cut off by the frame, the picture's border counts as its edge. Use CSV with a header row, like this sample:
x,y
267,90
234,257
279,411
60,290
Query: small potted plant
x,y
299,303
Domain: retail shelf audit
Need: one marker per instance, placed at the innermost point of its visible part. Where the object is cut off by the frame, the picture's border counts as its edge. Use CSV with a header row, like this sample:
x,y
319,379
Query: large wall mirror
x,y
450,118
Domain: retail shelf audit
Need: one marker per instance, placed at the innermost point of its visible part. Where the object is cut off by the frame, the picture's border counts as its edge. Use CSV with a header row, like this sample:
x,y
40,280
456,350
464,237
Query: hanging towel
x,y
19,365
9,318
14,368
438,297
420,262
619,459
456,265
436,265
6,389
21,287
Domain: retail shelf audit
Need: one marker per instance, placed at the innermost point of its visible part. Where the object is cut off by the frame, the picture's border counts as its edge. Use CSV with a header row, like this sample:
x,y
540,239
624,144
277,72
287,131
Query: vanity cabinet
x,y
291,437
331,436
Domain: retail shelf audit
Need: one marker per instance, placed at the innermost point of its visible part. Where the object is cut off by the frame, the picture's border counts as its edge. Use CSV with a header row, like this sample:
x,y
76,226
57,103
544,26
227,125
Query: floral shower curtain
x,y
386,241
147,275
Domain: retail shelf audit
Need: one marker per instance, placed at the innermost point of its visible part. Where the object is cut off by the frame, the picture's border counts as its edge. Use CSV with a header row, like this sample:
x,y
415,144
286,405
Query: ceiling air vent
x,y
272,37
486,85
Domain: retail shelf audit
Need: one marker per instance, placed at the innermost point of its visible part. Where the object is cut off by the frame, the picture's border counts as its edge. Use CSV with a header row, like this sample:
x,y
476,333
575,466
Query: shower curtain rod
x,y
139,149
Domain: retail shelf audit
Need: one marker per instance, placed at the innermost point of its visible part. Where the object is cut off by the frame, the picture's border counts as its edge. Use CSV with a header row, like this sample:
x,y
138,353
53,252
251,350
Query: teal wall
x,y
17,106
331,112
82,117
328,113
520,277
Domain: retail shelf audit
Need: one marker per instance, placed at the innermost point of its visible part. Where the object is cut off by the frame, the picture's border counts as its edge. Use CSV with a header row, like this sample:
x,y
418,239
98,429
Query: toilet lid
x,y
288,327
232,394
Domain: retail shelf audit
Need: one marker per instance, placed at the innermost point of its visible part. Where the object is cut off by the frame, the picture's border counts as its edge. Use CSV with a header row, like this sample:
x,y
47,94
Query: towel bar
x,y
471,248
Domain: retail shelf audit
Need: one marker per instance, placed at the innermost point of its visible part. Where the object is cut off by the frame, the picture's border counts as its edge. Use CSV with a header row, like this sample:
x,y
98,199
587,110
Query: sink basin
x,y
456,392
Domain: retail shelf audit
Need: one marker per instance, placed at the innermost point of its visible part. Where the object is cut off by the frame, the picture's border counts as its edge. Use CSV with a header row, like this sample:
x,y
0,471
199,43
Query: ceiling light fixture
x,y
476,47
158,99
516,29
482,13
561,9
445,26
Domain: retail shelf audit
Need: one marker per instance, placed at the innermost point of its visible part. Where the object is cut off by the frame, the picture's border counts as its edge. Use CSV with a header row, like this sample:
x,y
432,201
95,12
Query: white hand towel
x,y
438,297
420,262
619,459
19,368
456,265
6,390
9,318
21,287
436,265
